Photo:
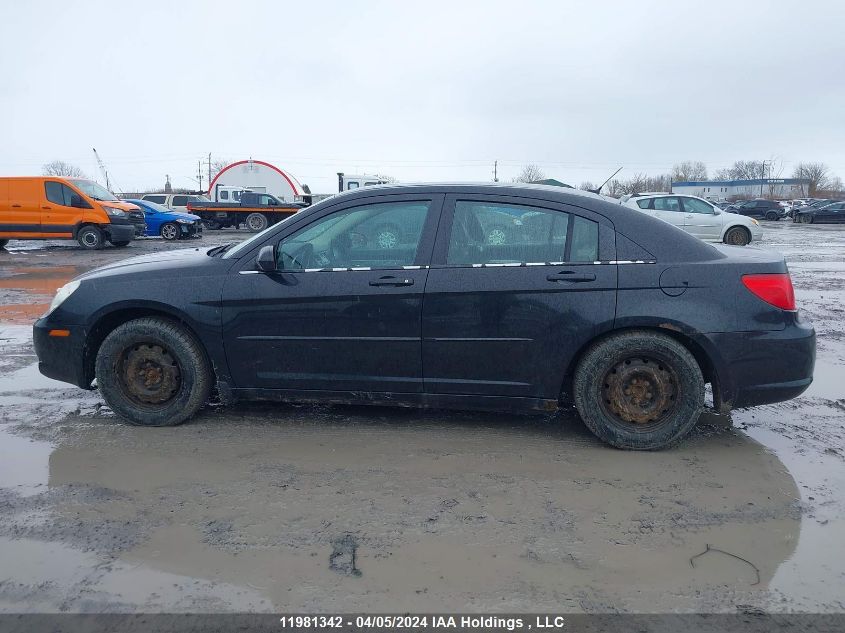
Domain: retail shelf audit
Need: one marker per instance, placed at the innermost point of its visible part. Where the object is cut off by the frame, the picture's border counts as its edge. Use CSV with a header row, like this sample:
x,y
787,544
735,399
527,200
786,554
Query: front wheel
x,y
639,390
257,222
169,231
806,219
153,372
3,243
737,236
771,215
90,237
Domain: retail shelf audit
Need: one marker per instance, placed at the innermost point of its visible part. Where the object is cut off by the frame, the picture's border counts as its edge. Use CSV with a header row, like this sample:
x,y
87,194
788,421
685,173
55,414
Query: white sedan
x,y
698,217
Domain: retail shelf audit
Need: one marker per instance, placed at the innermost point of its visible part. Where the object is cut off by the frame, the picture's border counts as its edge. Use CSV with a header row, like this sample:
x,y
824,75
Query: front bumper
x,y
187,231
119,232
61,357
764,367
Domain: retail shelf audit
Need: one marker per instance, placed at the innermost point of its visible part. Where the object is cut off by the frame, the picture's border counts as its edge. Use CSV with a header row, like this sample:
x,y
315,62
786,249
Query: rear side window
x,y
180,201
58,193
490,233
156,199
644,204
666,204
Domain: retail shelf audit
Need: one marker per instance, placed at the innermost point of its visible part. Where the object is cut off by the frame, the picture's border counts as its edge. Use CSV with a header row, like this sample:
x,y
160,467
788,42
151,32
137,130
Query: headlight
x,y
118,213
184,221
755,221
61,294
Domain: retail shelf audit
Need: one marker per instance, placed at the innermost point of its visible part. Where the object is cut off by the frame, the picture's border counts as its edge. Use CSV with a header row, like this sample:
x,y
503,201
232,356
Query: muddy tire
x,y
772,216
90,237
153,372
257,222
737,236
639,390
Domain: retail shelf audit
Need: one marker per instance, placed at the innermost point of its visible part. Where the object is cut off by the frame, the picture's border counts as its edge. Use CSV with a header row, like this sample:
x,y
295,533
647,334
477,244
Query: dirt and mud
x,y
303,508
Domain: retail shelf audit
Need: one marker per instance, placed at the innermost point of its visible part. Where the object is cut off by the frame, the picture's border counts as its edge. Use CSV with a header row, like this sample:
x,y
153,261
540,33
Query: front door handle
x,y
571,277
16,206
44,206
389,280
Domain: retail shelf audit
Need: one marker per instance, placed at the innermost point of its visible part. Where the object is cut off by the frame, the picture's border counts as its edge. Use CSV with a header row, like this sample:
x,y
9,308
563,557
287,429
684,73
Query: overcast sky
x,y
419,90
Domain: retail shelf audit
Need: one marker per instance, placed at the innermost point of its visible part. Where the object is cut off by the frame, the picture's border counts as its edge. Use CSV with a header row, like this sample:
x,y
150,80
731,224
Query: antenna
x,y
598,190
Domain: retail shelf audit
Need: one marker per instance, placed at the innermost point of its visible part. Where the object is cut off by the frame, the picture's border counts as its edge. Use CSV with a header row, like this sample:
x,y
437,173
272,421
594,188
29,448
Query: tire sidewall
x,y
182,406
92,231
735,229
165,227
601,357
264,222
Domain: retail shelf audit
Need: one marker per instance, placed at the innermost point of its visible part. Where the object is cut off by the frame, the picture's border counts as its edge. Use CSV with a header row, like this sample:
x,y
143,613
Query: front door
x,y
502,316
701,220
342,312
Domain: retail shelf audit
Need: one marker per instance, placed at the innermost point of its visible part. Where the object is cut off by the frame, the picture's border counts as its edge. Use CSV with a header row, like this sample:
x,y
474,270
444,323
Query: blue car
x,y
171,225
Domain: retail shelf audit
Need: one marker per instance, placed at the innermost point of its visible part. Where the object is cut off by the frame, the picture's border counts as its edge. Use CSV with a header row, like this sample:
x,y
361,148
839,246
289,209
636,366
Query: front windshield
x,y
93,190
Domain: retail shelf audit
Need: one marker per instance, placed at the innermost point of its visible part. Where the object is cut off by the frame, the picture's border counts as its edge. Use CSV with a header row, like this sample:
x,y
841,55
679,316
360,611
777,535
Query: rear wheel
x,y
90,237
169,231
256,222
771,215
639,390
806,219
737,236
153,372
3,243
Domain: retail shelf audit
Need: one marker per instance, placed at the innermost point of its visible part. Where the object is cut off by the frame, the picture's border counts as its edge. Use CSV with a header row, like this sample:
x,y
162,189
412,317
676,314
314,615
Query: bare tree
x,y
61,168
217,166
742,170
530,173
817,173
689,170
587,186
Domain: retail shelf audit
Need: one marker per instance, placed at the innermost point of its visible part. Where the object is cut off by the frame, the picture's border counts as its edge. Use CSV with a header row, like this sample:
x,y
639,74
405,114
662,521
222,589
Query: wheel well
x,y
82,225
107,323
742,228
700,355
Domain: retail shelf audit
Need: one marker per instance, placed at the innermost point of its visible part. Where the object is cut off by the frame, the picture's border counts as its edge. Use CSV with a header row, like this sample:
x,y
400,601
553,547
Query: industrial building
x,y
781,188
261,177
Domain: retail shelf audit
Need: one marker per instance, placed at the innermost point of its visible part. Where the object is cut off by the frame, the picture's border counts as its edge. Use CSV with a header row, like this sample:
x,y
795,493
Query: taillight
x,y
773,288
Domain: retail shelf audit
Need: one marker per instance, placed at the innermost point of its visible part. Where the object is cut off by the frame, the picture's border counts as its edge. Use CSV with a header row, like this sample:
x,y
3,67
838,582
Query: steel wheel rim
x,y
255,223
89,238
148,374
387,239
496,237
640,392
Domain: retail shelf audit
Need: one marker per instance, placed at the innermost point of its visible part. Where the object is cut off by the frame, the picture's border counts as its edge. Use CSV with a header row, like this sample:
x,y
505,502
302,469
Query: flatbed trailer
x,y
217,215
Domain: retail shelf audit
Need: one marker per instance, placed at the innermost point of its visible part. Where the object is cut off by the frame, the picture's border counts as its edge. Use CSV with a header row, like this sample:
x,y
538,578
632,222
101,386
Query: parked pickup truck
x,y
256,210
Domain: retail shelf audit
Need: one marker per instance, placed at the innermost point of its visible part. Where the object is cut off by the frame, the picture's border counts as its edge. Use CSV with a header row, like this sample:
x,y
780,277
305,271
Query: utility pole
x,y
199,173
209,172
495,171
763,175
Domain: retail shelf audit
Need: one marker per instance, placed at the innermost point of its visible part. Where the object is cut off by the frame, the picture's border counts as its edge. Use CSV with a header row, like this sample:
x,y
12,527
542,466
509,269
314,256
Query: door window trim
x,y
606,233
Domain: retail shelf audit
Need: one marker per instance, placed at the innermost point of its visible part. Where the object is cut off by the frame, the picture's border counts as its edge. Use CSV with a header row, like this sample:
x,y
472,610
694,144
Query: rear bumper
x,y
764,367
61,357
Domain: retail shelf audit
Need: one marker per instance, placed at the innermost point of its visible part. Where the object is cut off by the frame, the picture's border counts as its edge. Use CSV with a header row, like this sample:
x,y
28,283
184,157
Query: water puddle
x,y
24,463
26,292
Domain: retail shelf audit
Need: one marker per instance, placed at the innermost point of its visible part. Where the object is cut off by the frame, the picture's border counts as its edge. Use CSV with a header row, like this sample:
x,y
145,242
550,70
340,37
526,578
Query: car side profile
x,y
622,314
829,213
699,217
170,225
760,208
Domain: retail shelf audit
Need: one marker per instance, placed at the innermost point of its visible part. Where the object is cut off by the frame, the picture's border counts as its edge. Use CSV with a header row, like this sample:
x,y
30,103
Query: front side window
x,y
156,199
666,204
59,193
383,235
491,233
351,185
694,205
224,195
180,201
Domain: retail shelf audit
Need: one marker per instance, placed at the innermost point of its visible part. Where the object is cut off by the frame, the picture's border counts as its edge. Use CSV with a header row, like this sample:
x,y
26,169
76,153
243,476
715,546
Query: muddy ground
x,y
302,508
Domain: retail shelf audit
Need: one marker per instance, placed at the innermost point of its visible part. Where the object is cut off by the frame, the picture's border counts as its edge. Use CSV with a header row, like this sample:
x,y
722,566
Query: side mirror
x,y
266,260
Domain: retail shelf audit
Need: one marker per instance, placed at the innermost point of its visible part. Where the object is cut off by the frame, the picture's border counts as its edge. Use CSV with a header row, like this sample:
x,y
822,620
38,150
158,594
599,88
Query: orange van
x,y
48,208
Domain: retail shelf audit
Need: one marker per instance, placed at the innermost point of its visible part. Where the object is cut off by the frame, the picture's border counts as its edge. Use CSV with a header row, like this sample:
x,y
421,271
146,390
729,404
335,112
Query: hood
x,y
179,215
164,263
119,204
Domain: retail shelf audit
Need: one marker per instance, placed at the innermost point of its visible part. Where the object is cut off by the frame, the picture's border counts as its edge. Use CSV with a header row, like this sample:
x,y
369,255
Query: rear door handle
x,y
571,277
392,281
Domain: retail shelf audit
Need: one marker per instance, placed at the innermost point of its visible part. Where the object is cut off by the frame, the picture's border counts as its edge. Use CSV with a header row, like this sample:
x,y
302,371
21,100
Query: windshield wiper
x,y
218,249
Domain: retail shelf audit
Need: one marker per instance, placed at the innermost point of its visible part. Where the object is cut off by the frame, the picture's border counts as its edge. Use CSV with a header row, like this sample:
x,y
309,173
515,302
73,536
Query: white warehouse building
x,y
256,175
785,188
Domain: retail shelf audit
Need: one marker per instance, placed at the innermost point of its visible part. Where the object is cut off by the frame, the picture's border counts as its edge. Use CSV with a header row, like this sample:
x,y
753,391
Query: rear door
x,y
341,313
503,317
700,219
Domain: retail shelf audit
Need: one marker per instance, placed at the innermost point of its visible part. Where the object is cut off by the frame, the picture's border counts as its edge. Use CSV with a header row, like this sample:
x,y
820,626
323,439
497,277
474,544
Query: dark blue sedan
x,y
171,225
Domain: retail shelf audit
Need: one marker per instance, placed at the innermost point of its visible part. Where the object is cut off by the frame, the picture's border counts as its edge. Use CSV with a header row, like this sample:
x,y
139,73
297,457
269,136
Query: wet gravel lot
x,y
303,508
